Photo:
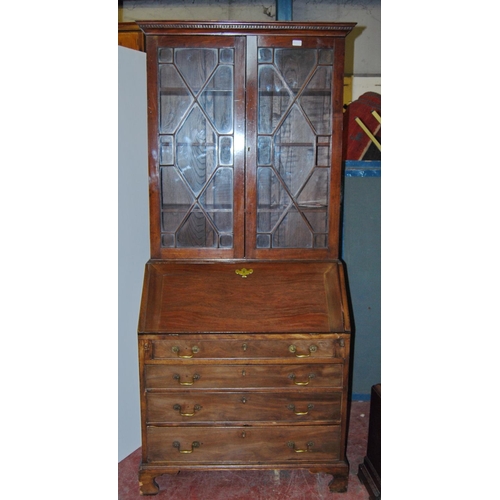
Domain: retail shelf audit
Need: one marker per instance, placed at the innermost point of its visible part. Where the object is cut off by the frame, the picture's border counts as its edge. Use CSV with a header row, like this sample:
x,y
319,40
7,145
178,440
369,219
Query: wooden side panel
x,y
131,36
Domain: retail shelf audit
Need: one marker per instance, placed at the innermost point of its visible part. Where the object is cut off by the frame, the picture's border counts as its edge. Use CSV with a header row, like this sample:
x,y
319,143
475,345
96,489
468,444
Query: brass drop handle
x,y
309,445
194,379
310,406
312,348
194,350
177,407
194,444
292,376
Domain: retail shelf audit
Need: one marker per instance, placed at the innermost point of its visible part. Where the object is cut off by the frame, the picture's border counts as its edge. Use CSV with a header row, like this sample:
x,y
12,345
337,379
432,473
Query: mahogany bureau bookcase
x,y
244,328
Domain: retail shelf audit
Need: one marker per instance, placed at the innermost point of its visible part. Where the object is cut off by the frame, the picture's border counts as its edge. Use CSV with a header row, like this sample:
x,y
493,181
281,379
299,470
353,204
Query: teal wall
x,y
361,254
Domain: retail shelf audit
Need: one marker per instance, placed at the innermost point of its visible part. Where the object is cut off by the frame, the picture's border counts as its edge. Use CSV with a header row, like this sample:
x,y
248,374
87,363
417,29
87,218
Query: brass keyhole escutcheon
x,y
244,272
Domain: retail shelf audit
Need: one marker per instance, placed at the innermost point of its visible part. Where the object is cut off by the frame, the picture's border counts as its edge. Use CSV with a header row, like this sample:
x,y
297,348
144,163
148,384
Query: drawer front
x,y
243,376
243,445
211,406
293,349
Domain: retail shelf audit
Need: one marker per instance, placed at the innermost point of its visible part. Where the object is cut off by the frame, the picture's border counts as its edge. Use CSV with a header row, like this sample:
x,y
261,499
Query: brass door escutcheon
x,y
244,272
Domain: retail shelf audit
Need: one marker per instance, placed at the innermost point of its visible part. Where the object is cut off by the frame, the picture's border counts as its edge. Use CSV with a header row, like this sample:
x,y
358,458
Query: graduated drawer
x,y
246,348
243,376
212,406
243,445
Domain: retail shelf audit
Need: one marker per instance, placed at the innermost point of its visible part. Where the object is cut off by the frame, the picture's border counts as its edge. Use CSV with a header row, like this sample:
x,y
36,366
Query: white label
x,y
297,43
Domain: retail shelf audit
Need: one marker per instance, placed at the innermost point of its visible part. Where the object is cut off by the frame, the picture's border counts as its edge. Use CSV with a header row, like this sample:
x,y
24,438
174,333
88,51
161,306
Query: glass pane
x,y
165,55
274,99
265,55
263,241
272,200
195,150
264,150
196,231
196,66
217,99
318,219
226,55
166,150
226,150
315,192
292,232
295,146
168,240
320,240
295,65
326,56
226,240
316,100
176,202
174,191
218,197
175,99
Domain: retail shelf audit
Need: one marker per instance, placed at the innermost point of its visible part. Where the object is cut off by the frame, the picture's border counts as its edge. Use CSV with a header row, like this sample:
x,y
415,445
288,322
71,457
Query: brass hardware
x,y
244,272
312,348
194,444
243,434
341,342
310,406
146,346
243,400
195,378
194,350
291,444
244,346
177,407
243,372
292,376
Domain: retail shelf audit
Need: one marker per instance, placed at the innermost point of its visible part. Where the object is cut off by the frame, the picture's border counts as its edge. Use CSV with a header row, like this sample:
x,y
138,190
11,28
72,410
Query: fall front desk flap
x,y
292,297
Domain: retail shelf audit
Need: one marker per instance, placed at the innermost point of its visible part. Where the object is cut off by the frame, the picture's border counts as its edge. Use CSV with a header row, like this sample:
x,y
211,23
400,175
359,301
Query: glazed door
x,y
294,119
196,156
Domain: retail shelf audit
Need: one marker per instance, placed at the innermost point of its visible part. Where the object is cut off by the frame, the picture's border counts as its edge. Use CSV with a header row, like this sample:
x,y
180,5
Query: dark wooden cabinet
x,y
244,330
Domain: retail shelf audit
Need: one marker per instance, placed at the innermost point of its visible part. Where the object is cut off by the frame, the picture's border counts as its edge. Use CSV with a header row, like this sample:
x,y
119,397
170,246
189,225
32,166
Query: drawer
x,y
212,406
243,376
246,348
243,445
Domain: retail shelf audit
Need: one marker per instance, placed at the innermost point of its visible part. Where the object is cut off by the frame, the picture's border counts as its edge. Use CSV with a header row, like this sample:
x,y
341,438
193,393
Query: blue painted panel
x,y
361,253
355,168
284,10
